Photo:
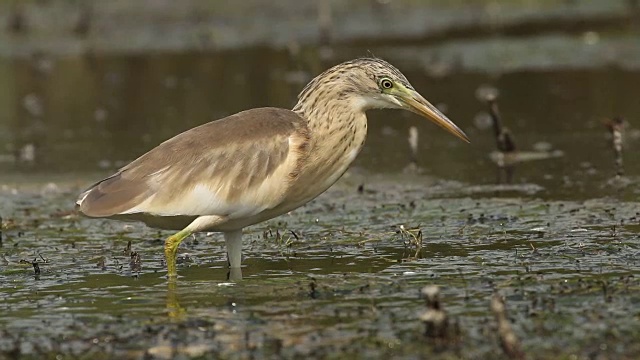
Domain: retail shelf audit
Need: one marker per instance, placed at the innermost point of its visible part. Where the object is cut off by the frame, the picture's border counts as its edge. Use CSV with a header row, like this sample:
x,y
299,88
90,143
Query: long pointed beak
x,y
419,105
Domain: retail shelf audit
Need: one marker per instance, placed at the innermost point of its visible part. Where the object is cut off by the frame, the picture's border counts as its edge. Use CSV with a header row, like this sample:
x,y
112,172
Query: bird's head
x,y
371,83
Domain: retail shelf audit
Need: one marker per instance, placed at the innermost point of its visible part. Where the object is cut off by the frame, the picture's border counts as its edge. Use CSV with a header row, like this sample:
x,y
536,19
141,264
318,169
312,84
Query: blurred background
x,y
89,85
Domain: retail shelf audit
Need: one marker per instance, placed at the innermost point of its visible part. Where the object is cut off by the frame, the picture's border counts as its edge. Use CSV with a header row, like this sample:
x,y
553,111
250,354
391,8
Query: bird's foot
x,y
171,251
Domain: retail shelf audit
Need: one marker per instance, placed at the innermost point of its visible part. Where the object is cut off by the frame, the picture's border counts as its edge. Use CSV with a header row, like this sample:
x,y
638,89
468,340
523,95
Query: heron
x,y
252,166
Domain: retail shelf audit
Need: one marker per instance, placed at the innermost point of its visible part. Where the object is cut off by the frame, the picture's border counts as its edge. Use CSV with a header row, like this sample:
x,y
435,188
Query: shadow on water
x,y
341,276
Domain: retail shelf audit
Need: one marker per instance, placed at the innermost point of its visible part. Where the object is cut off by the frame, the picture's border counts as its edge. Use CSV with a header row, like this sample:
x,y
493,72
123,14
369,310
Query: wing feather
x,y
236,166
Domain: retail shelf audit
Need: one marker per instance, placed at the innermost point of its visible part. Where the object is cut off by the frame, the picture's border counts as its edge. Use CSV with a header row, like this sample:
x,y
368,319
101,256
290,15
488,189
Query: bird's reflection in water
x,y
174,310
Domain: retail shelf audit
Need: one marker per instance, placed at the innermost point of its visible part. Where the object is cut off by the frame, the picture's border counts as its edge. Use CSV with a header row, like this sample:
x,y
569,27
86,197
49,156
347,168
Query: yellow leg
x,y
171,251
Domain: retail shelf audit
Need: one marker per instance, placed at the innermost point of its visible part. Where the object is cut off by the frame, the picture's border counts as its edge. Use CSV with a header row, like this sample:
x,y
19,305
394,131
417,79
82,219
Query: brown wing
x,y
238,165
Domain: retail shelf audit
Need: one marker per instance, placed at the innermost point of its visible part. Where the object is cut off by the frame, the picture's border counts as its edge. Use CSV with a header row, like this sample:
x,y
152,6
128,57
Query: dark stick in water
x,y
508,339
434,317
504,140
615,127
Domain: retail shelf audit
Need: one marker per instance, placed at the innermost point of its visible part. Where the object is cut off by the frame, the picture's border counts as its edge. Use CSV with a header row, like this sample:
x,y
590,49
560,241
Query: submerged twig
x,y
127,250
508,339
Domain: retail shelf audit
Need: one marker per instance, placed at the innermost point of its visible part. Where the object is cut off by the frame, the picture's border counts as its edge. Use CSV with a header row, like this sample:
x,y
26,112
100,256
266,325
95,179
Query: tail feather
x,y
112,196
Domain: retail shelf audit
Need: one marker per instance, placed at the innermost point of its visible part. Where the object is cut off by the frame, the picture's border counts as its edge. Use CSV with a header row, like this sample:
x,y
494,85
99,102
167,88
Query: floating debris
x,y
504,160
508,339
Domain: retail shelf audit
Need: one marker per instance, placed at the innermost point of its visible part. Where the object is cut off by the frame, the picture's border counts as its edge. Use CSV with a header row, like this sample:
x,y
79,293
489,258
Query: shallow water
x,y
347,282
341,276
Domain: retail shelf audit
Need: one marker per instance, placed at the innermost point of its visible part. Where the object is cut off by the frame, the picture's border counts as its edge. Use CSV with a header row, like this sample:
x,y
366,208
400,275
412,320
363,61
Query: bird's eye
x,y
386,83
